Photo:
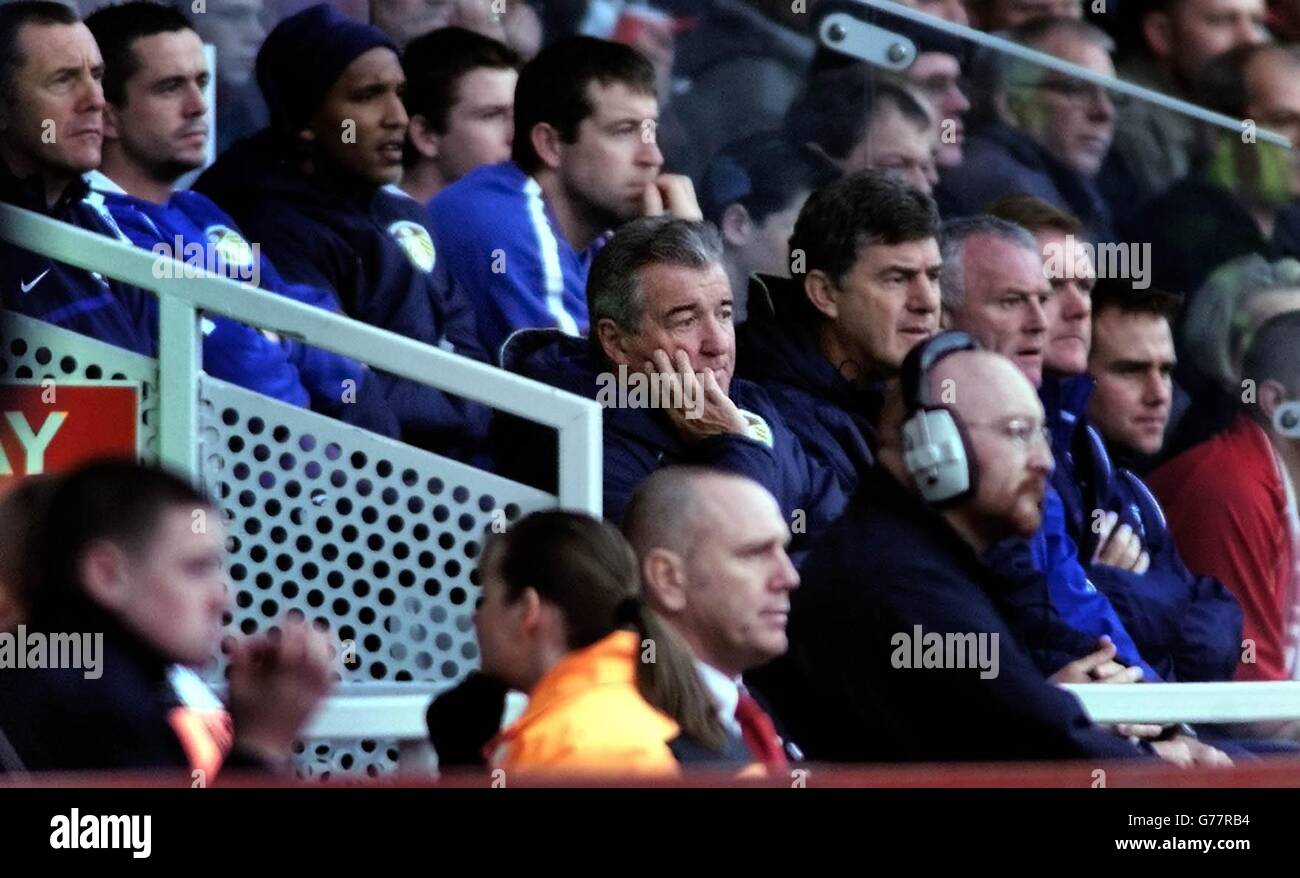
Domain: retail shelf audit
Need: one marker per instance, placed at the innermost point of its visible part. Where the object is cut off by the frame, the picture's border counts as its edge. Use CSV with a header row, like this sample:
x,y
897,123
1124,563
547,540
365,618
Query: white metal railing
x,y
1190,702
577,420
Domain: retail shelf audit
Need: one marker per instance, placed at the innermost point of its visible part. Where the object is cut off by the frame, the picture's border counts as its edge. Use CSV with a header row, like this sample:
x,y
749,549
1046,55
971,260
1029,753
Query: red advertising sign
x,y
53,427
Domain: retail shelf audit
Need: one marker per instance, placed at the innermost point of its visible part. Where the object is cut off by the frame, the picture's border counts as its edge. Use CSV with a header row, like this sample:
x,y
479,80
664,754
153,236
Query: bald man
x,y
712,551
901,641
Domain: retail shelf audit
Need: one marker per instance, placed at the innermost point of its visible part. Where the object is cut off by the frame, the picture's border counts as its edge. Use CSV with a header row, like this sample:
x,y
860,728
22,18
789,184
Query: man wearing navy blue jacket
x,y
51,132
315,190
660,359
823,343
155,130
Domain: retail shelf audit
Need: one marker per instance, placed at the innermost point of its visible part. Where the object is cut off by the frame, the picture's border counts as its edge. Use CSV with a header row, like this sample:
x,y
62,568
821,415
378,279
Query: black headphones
x,y
936,449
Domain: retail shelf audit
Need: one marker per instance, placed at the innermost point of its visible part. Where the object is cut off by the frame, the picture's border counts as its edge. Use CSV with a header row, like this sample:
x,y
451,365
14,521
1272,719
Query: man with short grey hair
x,y
660,360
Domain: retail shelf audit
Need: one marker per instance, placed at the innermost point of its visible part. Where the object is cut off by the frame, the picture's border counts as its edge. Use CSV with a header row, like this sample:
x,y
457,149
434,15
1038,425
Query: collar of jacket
x,y
610,661
777,344
29,193
880,489
1065,402
1080,192
74,613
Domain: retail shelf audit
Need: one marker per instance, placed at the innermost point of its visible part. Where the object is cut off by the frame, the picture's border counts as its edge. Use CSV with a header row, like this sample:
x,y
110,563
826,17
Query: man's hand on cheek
x,y
694,402
673,194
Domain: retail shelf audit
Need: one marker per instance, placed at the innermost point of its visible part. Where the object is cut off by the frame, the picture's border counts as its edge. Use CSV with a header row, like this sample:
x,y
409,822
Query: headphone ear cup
x,y
1286,420
937,456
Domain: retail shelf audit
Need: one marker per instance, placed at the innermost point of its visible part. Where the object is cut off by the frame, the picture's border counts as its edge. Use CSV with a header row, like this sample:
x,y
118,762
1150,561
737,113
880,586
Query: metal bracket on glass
x,y
875,45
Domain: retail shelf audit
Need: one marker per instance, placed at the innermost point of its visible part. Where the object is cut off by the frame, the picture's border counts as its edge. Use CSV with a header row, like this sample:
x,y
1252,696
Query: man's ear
x,y
546,143
662,573
820,290
1270,395
613,341
737,225
103,574
1158,31
530,613
425,140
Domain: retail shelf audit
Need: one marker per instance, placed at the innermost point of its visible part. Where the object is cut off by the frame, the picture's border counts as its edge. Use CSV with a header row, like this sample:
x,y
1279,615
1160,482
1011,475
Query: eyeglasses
x,y
1021,432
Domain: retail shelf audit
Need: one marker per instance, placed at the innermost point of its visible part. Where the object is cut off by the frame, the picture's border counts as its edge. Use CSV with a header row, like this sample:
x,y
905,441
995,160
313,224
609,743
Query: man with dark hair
x,y
997,15
155,131
314,189
864,122
753,191
519,236
824,343
235,29
1231,502
460,95
660,359
51,132
134,554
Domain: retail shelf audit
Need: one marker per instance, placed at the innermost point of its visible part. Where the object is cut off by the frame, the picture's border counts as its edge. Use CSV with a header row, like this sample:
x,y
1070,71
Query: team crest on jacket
x,y
414,240
756,428
229,245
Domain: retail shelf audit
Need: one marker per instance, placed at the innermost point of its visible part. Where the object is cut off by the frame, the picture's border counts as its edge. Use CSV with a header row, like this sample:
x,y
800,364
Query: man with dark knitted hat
x,y
316,190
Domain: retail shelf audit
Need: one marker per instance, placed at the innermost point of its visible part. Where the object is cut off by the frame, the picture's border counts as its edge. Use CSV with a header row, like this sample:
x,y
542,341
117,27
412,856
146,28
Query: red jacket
x,y
1226,506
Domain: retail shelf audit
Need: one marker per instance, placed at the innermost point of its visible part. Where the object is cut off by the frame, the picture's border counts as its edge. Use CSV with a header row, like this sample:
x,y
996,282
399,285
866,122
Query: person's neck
x,y
579,230
1288,454
891,459
134,180
422,181
1265,218
737,277
55,182
851,365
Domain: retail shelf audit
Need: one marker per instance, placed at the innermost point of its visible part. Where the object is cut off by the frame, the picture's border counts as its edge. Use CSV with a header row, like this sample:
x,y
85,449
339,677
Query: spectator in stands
x,y
849,687
863,122
994,288
520,235
744,62
1187,627
406,20
1042,133
1243,197
1232,506
49,138
722,580
21,507
155,131
1001,15
460,95
660,358
561,619
753,191
1216,328
313,191
824,344
119,553
1154,147
952,10
235,29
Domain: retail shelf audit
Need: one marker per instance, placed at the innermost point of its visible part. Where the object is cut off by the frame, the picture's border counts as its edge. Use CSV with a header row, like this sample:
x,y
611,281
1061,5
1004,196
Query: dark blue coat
x,y
81,301
640,441
888,565
372,249
777,350
1187,627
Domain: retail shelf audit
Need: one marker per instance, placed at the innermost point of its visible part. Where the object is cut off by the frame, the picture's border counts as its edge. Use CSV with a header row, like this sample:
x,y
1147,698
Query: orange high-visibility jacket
x,y
586,716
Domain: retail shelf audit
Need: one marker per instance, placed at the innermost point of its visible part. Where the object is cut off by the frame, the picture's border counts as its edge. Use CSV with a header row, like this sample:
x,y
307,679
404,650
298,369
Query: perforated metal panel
x,y
30,349
372,539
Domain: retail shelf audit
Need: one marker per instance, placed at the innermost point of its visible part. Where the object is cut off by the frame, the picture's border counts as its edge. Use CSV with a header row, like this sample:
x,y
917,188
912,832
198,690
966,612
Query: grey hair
x,y
614,283
1212,331
952,277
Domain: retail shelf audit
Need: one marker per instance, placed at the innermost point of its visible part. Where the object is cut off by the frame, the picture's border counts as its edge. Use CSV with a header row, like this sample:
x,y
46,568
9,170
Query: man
x,y
1185,626
235,30
1231,502
849,686
519,236
1154,148
1044,134
155,131
824,344
314,190
753,191
660,358
995,289
120,554
863,122
51,133
723,581
460,95
1000,15
1242,197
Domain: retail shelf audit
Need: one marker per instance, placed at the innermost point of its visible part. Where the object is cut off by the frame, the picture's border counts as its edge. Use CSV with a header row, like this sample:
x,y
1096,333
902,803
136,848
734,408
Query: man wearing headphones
x,y
1231,502
902,644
